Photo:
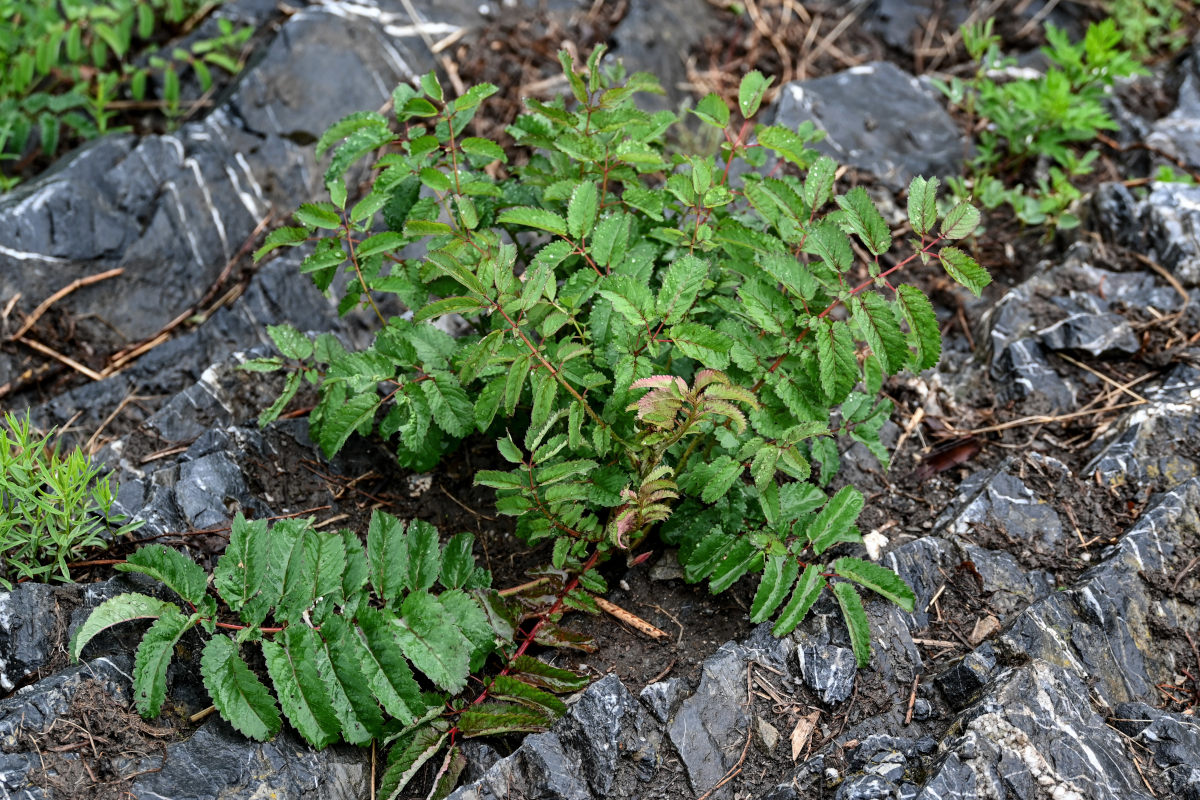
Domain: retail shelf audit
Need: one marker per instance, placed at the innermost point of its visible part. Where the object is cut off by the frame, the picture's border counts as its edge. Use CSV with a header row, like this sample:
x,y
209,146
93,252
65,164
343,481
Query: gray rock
x,y
657,36
216,761
604,747
828,670
1100,626
28,622
879,119
1033,734
663,698
1171,217
1000,500
705,730
1032,378
962,683
867,787
1155,445
344,58
1178,133
1098,334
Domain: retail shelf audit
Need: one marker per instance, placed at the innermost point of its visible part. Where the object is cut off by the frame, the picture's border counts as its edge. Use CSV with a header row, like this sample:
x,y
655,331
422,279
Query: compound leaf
x,y
490,719
346,683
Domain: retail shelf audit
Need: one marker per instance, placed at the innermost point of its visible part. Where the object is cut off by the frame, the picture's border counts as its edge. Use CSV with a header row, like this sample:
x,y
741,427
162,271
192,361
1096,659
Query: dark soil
x,y
97,747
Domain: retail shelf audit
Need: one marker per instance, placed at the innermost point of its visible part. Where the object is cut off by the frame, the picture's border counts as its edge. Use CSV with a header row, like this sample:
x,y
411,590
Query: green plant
x,y
358,644
1040,121
51,508
645,328
65,67
1150,26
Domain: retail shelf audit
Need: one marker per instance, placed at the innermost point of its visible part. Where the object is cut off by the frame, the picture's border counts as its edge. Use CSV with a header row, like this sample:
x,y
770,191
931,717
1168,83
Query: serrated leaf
x,y
831,244
243,700
491,719
700,342
964,269
882,332
838,368
681,283
762,468
449,305
154,656
857,624
404,763
538,280
788,144
922,204
482,148
743,557
750,92
923,328
707,555
290,342
169,566
507,687
344,679
432,642
581,210
240,570
452,409
807,590
382,661
818,183
348,125
291,663
530,217
318,215
631,299
865,220
779,574
387,555
339,423
475,95
295,551
836,519
458,561
880,580
960,222
539,673
712,110
281,237
424,555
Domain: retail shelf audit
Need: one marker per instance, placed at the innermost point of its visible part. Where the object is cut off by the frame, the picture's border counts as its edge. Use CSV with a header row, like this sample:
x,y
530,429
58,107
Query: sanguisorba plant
x,y
645,330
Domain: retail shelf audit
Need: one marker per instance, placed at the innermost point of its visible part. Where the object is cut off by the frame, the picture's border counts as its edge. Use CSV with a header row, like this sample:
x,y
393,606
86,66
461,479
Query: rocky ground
x,y
1044,502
